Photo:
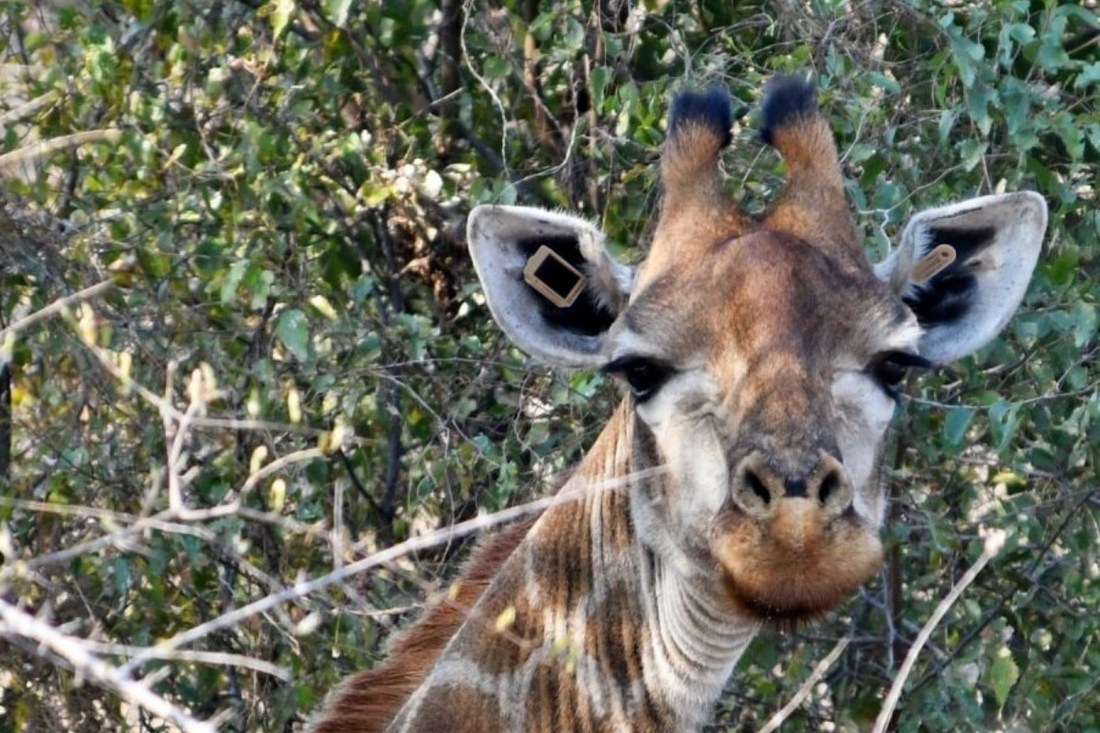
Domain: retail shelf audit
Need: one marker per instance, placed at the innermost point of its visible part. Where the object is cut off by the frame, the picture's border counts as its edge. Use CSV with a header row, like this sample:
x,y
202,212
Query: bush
x,y
278,193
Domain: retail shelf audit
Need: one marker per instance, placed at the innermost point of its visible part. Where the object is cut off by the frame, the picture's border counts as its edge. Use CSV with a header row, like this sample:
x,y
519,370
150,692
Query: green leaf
x,y
979,99
542,26
1062,269
1017,104
965,52
1003,674
1052,54
495,67
505,193
370,348
1088,76
293,331
233,280
258,282
955,425
947,121
1071,135
1084,323
601,77
574,35
884,82
1003,421
971,152
1021,33
281,11
337,11
363,287
120,570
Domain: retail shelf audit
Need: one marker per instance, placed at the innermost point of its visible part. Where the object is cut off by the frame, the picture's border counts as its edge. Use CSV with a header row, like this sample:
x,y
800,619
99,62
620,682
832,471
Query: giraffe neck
x,y
588,626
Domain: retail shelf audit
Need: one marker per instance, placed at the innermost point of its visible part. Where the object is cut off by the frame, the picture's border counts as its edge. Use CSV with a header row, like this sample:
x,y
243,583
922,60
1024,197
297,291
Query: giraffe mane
x,y
367,702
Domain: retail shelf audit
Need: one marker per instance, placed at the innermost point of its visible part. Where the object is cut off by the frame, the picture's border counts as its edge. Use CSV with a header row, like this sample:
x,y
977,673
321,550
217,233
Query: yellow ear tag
x,y
553,277
932,263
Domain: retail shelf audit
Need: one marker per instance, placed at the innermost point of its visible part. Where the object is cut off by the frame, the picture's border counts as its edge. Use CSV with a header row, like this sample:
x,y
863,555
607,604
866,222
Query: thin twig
x,y
162,520
1031,574
307,454
85,664
804,691
27,109
417,544
187,655
994,541
10,161
55,307
487,87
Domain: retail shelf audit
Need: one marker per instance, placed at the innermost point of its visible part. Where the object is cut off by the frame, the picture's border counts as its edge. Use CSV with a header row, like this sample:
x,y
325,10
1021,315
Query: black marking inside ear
x,y
711,109
588,316
788,98
949,294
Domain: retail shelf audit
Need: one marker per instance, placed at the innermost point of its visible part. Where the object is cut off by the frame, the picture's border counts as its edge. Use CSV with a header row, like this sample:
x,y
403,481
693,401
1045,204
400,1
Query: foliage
x,y
283,211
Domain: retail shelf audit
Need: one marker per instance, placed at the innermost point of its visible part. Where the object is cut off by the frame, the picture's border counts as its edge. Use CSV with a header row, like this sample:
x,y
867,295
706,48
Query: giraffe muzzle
x,y
764,493
791,546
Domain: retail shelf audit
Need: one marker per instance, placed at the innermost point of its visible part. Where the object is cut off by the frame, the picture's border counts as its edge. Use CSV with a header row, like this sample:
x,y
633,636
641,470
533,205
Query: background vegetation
x,y
278,191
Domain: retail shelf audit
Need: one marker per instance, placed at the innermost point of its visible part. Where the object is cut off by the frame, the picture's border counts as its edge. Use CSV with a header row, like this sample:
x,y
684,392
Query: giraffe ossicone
x,y
762,357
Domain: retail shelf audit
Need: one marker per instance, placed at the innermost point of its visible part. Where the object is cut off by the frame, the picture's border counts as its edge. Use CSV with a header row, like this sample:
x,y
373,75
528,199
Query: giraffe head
x,y
762,354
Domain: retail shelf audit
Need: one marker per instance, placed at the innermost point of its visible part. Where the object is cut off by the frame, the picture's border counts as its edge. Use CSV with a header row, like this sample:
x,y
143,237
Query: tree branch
x,y
993,544
56,307
385,557
804,691
72,650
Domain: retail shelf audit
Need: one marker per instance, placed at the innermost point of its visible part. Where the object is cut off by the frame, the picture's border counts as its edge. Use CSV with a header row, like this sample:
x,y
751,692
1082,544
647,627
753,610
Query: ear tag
x,y
553,277
932,264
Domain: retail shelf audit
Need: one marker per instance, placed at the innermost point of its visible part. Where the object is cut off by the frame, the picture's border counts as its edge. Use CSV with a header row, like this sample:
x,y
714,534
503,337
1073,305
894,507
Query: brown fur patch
x,y
692,153
498,651
794,568
367,701
476,708
813,206
696,211
807,145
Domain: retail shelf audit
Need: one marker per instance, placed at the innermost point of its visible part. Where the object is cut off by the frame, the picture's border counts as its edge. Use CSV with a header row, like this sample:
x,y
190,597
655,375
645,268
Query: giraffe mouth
x,y
796,567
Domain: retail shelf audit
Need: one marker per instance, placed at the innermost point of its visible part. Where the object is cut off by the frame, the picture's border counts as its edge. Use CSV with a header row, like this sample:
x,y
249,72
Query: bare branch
x,y
25,110
163,520
277,465
10,161
804,691
417,544
55,307
73,651
994,541
487,87
186,655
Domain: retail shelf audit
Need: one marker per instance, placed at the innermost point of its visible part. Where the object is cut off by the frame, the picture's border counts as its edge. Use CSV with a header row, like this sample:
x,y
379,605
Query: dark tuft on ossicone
x,y
787,100
711,109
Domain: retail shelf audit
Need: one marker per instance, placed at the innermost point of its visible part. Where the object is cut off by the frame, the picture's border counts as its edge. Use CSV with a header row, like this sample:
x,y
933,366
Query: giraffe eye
x,y
645,376
890,373
889,369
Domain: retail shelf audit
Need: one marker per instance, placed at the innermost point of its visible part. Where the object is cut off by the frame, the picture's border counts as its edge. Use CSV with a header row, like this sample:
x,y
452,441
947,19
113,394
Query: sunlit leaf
x,y
293,331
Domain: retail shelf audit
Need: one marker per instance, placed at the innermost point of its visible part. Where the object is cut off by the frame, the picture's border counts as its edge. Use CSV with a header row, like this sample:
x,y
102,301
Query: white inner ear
x,y
1002,269
494,234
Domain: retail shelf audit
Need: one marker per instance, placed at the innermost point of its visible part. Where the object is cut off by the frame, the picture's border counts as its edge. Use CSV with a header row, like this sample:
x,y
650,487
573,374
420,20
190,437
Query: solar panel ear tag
x,y
932,263
553,277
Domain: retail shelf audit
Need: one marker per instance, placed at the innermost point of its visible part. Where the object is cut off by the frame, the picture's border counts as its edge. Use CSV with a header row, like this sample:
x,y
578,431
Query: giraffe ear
x,y
964,299
556,305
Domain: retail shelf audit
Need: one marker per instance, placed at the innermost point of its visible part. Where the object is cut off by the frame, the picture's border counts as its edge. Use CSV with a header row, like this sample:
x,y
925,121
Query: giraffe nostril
x,y
757,487
828,487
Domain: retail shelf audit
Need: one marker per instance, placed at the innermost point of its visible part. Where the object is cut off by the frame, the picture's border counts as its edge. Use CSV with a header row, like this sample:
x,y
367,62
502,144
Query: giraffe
x,y
762,358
